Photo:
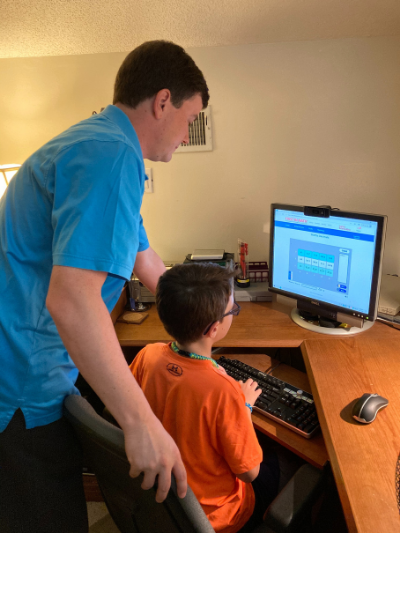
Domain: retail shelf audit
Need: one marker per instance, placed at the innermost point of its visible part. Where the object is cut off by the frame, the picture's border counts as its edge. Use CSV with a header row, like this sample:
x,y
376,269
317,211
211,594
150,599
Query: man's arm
x,y
148,268
84,324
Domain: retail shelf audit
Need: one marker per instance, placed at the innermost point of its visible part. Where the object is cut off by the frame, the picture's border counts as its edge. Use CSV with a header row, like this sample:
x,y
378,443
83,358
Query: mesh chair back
x,y
133,509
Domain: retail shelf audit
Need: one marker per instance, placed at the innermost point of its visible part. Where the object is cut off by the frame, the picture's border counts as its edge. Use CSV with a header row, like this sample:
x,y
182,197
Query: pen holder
x,y
243,277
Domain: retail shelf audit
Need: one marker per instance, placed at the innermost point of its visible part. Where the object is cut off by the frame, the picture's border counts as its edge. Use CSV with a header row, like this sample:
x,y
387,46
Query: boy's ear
x,y
212,333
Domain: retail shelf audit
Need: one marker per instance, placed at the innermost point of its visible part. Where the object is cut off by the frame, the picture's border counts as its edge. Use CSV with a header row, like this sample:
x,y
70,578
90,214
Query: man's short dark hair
x,y
158,65
191,296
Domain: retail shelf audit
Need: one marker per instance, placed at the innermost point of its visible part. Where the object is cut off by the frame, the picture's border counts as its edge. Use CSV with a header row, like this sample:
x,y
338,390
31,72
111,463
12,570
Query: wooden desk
x,y
259,325
363,457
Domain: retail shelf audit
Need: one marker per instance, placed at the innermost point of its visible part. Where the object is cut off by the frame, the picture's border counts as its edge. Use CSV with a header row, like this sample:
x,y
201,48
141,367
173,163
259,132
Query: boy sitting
x,y
207,413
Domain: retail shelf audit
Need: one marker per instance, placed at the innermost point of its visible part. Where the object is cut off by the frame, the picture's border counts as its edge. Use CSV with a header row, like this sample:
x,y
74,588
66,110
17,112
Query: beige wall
x,y
308,122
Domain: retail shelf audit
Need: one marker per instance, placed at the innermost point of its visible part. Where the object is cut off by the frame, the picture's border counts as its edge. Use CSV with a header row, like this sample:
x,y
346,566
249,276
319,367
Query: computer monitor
x,y
330,262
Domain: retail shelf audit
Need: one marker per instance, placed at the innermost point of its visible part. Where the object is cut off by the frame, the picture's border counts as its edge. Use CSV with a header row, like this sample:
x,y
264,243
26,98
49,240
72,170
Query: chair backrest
x,y
133,509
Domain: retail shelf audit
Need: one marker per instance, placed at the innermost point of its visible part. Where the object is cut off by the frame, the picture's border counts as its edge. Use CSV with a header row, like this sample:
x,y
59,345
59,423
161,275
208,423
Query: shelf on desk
x,y
312,450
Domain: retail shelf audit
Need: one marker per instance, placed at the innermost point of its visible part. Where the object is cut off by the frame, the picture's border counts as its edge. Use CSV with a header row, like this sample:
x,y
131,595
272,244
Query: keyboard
x,y
278,400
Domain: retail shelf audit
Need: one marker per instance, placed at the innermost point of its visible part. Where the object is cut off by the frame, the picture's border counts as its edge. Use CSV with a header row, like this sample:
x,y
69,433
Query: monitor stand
x,y
327,330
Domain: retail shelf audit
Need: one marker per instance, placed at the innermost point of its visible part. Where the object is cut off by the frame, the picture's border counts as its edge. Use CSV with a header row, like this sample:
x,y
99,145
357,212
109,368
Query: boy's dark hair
x,y
191,296
158,65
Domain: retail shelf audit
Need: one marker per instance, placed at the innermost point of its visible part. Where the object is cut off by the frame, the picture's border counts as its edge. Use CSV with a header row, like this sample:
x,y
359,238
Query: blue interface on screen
x,y
327,259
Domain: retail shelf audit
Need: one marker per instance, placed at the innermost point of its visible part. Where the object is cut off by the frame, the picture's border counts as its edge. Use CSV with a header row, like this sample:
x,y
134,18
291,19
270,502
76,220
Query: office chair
x,y
135,510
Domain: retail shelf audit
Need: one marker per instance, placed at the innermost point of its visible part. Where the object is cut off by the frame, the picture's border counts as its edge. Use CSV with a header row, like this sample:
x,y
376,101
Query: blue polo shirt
x,y
76,203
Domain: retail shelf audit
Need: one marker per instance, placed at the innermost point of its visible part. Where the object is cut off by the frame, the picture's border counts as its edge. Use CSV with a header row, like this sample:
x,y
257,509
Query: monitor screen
x,y
333,261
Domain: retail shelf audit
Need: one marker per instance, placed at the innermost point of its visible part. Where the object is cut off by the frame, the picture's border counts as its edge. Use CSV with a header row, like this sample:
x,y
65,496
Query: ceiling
x,y
62,27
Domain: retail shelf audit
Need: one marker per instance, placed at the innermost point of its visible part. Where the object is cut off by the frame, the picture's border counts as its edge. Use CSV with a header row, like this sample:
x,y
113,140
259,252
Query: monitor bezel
x,y
381,221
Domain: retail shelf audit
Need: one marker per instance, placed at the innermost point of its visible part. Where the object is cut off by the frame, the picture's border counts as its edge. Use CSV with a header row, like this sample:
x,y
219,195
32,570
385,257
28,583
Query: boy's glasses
x,y
235,310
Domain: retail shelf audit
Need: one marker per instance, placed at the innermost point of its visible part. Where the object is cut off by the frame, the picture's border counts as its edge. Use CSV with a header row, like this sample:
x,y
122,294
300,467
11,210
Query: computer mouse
x,y
366,407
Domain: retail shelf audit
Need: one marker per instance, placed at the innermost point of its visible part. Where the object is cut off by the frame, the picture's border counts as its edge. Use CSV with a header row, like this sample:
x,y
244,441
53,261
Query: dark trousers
x,y
265,486
278,467
41,489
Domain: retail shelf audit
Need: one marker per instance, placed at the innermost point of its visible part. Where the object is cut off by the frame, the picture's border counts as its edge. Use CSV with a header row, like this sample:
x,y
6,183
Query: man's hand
x,y
250,391
152,451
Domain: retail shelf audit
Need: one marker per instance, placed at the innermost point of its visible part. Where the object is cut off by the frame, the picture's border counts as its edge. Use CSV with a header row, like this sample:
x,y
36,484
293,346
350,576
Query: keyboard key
x,y
309,428
261,405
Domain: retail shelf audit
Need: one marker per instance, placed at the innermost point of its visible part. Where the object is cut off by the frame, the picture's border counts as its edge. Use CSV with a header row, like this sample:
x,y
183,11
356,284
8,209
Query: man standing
x,y
70,235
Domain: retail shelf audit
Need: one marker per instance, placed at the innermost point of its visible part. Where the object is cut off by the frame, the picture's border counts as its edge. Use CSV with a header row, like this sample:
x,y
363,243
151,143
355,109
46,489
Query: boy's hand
x,y
250,390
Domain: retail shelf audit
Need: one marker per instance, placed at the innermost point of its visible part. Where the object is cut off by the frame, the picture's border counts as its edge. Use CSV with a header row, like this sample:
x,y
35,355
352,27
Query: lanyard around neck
x,y
192,355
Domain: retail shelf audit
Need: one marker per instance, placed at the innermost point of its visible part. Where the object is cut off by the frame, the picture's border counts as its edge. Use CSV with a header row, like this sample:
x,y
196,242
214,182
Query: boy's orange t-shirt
x,y
204,410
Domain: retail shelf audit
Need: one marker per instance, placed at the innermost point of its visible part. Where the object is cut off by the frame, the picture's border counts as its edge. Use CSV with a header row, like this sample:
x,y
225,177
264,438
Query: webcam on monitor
x,y
318,211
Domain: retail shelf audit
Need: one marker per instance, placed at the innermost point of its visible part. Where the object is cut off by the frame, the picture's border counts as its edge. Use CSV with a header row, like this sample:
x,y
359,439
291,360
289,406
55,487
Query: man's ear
x,y
161,101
